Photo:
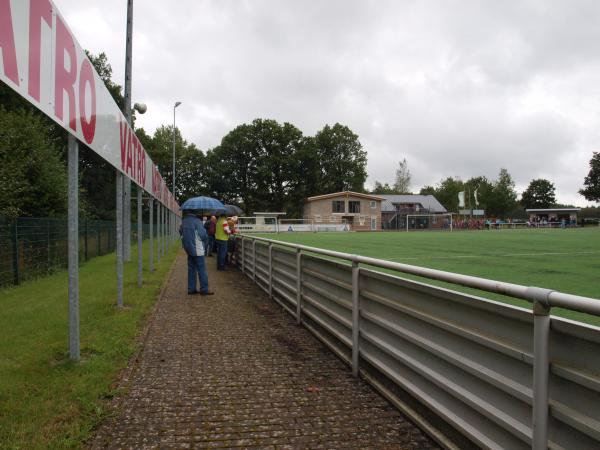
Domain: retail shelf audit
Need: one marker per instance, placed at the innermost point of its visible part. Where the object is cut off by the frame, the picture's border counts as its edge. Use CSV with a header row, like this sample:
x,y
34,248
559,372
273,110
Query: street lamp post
x,y
175,106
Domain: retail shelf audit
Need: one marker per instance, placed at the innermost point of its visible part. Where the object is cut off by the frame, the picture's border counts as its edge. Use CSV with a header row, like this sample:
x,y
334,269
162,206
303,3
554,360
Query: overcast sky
x,y
457,87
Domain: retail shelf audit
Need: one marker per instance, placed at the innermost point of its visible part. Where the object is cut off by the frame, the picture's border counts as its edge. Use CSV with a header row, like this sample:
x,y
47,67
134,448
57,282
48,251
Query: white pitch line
x,y
504,256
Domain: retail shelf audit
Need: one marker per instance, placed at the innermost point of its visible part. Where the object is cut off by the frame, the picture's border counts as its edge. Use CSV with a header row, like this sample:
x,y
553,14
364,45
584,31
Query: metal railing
x,y
502,376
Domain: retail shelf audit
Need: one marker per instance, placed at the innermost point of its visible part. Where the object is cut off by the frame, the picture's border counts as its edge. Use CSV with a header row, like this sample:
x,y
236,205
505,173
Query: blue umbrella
x,y
203,204
232,210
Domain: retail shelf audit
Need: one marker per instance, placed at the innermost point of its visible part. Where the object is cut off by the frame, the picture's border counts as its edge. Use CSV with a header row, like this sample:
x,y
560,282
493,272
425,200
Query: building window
x,y
337,206
373,204
354,207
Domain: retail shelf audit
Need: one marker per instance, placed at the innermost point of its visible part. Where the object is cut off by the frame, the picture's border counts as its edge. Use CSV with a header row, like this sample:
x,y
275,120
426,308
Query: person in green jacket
x,y
222,236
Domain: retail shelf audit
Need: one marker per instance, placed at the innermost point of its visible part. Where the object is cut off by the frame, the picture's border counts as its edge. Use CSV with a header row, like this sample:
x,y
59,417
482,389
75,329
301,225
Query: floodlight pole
x,y
174,107
127,113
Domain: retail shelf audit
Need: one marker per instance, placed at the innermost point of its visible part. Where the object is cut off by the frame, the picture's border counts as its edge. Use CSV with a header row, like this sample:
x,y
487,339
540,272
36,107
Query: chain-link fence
x,y
34,247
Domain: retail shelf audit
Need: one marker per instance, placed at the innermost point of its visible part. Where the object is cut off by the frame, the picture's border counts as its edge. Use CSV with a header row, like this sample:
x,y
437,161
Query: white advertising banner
x,y
42,61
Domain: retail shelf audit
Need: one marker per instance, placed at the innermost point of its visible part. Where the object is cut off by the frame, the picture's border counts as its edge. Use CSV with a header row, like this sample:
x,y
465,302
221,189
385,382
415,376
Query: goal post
x,y
421,222
293,225
258,224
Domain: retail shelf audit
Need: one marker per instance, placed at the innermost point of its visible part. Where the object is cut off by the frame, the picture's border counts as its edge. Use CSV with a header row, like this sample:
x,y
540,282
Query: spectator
x,y
211,227
222,233
194,239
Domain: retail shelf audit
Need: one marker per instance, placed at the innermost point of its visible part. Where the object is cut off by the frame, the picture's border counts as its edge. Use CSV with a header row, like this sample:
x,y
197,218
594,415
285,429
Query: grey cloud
x,y
459,87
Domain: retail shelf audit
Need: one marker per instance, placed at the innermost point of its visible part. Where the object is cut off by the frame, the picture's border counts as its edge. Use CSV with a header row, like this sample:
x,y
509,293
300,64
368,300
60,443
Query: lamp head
x,y
177,104
140,107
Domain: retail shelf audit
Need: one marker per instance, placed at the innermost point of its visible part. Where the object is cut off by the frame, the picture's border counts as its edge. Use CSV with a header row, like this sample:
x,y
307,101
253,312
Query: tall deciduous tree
x,y
503,197
342,160
591,184
33,178
403,177
539,194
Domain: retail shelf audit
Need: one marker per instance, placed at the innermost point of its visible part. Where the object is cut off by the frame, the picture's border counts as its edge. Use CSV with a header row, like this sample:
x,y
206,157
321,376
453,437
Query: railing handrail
x,y
532,294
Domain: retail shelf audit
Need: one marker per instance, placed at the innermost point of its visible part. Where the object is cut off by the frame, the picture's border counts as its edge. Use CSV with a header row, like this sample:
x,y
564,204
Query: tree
x,y
342,160
591,189
383,189
33,178
403,176
503,197
539,194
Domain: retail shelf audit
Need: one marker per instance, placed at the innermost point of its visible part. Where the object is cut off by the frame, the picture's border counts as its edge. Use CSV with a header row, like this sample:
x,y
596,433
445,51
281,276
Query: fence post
x,y
15,246
48,259
139,236
151,252
355,317
298,286
254,260
243,258
120,229
270,270
541,365
73,215
85,240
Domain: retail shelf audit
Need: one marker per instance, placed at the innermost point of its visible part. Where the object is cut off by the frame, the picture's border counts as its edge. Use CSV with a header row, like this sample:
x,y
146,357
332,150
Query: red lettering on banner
x,y
7,42
129,145
143,164
138,161
86,76
123,131
38,10
65,80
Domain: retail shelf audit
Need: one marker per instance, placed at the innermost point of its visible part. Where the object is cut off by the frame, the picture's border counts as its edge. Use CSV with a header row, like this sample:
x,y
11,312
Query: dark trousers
x,y
196,266
221,254
211,244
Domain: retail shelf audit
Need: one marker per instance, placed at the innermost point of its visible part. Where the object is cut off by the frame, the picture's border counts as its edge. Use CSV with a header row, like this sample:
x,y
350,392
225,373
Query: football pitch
x,y
566,260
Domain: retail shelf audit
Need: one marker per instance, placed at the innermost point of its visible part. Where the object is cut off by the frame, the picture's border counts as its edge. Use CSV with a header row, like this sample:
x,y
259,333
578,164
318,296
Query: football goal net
x,y
259,224
421,222
292,225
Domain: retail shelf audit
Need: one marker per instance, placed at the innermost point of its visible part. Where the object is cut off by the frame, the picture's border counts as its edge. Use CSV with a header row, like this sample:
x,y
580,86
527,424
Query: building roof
x,y
427,201
269,214
346,194
547,210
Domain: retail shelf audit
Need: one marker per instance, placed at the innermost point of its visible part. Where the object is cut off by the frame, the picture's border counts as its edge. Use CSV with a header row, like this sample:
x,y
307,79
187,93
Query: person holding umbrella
x,y
195,239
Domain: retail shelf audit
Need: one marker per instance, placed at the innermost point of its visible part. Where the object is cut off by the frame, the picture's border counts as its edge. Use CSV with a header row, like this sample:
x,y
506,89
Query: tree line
x,y
262,165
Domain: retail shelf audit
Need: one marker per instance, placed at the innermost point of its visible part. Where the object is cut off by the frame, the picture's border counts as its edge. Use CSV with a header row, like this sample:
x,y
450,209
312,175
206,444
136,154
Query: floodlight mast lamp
x,y
174,107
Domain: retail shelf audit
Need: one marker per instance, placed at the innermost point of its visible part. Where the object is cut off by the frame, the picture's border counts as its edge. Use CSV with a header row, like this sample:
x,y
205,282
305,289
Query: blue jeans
x,y
211,244
197,266
221,254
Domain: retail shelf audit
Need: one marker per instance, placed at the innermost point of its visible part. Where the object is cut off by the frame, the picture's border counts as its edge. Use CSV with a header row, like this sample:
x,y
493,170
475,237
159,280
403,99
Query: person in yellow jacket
x,y
222,236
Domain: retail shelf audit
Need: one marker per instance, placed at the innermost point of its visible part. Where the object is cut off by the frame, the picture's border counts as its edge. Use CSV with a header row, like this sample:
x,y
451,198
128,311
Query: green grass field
x,y
562,260
46,401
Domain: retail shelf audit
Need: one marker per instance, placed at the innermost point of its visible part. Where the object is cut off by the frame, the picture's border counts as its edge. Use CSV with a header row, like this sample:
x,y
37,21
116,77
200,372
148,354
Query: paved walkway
x,y
235,371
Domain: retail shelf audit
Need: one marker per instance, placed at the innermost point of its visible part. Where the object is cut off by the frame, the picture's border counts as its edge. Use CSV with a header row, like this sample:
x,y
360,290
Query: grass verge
x,y
47,401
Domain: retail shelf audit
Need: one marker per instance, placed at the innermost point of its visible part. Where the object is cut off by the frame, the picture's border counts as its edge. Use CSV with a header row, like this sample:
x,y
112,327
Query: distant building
x,y
396,208
361,212
553,215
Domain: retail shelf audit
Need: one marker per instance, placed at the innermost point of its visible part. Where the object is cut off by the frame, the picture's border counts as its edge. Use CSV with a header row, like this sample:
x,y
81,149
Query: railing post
x,y
254,260
270,270
298,286
243,258
541,365
355,317
15,246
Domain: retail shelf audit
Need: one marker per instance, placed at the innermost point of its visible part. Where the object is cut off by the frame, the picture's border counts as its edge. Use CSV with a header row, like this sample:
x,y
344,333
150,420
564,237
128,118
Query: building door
x,y
373,223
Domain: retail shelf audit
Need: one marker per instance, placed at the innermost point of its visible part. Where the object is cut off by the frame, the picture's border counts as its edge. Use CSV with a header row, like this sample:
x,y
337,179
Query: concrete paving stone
x,y
232,371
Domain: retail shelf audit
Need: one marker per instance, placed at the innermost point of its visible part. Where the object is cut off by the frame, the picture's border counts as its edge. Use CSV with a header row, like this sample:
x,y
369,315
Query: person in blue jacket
x,y
195,240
